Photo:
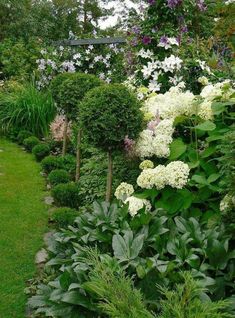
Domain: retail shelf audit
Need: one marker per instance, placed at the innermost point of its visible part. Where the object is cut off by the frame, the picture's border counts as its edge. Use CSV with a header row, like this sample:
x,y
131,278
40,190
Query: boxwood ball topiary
x,y
66,194
30,142
40,151
68,90
58,176
108,114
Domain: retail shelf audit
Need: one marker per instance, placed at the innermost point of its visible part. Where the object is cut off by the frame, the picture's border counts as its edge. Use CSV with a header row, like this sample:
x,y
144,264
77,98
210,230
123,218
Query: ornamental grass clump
x,y
109,114
68,91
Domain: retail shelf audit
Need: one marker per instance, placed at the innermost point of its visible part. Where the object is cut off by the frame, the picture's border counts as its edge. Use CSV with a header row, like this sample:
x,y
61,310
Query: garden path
x,y
23,220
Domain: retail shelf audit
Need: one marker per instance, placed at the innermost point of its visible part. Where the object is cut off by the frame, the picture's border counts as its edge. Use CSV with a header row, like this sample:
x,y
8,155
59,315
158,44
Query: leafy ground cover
x,y
23,222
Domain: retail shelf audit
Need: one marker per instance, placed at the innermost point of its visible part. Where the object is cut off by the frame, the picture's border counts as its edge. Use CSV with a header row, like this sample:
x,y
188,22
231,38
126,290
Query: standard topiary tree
x,y
72,89
109,114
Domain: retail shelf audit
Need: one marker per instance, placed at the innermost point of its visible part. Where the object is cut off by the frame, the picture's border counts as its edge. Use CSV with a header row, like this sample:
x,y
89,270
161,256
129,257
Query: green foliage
x,y
50,163
67,162
25,108
18,59
73,90
92,182
185,301
40,151
63,217
58,176
22,135
30,142
108,114
66,194
114,289
227,160
153,247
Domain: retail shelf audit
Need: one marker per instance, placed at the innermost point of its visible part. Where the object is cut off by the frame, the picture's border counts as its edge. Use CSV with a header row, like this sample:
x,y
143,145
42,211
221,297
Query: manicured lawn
x,y
23,220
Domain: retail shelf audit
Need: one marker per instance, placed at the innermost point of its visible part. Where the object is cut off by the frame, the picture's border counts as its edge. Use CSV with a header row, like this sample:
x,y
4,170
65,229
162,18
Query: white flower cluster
x,y
221,90
136,204
154,68
205,111
146,164
123,191
155,140
227,204
203,80
172,104
175,174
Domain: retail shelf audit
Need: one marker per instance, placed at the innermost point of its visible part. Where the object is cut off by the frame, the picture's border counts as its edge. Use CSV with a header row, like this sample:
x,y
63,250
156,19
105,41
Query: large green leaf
x,y
206,126
177,148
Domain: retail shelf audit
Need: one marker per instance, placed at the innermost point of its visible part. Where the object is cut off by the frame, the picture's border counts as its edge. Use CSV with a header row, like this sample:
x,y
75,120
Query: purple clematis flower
x,y
201,5
146,40
173,3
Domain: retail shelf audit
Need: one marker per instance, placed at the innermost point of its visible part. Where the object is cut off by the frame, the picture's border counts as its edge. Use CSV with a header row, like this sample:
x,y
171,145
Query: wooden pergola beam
x,y
111,40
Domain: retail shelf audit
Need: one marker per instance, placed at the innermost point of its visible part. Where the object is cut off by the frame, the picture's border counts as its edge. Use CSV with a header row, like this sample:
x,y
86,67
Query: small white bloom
x,y
123,191
136,204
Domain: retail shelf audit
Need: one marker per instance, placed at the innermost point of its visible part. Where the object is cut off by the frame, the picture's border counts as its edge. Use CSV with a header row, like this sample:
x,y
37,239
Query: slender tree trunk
x,y
109,177
65,139
78,164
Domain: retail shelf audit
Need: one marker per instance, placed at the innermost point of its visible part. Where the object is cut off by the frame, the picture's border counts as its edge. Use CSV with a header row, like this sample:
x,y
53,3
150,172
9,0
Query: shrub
x,y
41,151
109,114
22,135
68,163
50,163
58,176
30,143
185,301
26,108
64,216
66,194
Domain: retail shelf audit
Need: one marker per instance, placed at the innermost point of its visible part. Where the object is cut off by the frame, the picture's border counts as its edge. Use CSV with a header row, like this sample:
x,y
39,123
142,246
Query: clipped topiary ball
x,y
68,163
68,90
50,163
110,113
41,151
30,142
22,135
64,216
66,194
58,176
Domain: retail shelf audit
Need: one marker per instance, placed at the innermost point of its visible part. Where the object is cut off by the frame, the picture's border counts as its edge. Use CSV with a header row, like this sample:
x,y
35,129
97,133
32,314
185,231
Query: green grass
x,y
23,220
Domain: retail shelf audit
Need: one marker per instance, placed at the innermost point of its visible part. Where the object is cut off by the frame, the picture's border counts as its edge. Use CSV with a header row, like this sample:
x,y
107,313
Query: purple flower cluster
x,y
146,40
173,3
151,2
201,5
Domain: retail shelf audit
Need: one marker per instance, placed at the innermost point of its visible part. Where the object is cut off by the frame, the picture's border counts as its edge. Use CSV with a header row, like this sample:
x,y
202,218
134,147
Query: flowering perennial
x,y
156,139
57,128
136,204
175,174
123,191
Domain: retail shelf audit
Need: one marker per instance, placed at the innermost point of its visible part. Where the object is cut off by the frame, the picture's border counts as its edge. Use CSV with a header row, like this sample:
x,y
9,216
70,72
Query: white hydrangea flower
x,y
203,80
205,110
144,144
177,174
123,191
136,204
227,204
146,179
173,103
210,92
159,178
161,145
165,127
146,164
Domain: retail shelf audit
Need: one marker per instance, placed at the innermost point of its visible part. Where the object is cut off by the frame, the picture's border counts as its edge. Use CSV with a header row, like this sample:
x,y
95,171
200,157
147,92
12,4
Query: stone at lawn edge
x,y
41,256
49,200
